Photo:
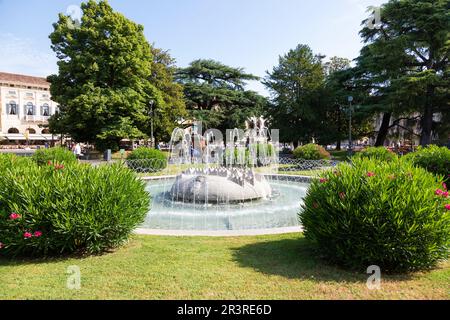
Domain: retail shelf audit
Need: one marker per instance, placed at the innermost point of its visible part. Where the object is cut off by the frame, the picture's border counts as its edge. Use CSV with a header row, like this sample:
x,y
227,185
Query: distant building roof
x,y
23,80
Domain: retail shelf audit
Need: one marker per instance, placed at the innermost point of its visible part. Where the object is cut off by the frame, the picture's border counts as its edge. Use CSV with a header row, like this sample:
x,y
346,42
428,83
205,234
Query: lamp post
x,y
151,121
350,142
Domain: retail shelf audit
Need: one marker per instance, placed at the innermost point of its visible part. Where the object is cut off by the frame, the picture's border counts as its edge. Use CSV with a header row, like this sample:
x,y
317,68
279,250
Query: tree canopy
x,y
107,78
295,85
215,94
167,114
405,62
112,83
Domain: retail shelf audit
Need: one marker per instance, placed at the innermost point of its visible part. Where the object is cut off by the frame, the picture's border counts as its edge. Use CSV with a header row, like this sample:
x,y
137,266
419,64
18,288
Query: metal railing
x,y
281,165
146,165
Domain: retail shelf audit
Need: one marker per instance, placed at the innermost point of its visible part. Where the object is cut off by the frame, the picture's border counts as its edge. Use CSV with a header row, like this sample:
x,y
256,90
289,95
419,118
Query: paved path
x,y
218,233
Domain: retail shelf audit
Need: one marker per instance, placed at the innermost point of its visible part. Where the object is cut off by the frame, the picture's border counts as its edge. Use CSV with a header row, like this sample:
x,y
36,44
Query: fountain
x,y
223,185
229,183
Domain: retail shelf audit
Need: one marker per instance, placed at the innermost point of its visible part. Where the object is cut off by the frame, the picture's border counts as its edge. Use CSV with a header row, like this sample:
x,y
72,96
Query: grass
x,y
260,267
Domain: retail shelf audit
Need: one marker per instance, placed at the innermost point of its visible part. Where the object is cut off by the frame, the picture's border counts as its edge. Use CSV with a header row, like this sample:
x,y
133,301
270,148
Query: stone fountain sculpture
x,y
219,185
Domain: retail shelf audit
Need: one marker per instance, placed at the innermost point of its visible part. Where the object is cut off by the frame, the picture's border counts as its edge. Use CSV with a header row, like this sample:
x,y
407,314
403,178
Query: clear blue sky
x,y
242,33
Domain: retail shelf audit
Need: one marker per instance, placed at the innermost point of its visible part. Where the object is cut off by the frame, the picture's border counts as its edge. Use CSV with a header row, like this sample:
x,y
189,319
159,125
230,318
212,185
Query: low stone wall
x,y
288,177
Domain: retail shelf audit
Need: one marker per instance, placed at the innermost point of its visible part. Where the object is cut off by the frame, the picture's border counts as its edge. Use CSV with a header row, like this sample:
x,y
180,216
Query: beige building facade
x,y
25,107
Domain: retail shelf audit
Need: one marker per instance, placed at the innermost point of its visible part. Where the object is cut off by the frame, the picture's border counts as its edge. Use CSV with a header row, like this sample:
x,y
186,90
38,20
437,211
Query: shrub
x,y
432,158
147,160
389,214
311,152
8,161
57,209
376,153
57,154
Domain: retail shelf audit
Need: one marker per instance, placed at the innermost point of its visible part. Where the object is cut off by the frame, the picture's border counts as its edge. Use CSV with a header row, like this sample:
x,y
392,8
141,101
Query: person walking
x,y
77,151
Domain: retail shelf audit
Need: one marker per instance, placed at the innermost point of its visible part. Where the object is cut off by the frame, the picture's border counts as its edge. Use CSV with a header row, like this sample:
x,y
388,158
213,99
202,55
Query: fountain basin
x,y
280,210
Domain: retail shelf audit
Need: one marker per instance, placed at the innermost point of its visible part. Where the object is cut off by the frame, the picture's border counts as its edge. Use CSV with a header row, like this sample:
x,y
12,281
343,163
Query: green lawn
x,y
262,267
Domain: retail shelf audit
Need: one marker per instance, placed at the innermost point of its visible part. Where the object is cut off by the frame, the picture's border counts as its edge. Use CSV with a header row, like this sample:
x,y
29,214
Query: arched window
x,y
31,131
29,109
45,110
45,131
13,130
12,108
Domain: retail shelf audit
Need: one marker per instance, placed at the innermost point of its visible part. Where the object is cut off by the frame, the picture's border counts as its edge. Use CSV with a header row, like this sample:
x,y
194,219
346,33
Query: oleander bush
x,y
145,159
57,154
368,212
432,158
311,152
376,153
8,161
62,209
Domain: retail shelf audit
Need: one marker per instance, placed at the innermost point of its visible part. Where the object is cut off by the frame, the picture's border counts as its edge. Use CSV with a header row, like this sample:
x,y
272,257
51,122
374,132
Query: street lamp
x,y
350,142
151,121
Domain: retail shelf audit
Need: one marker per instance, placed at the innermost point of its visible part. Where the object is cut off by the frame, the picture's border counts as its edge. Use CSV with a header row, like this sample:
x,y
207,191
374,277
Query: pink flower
x,y
444,186
447,206
14,216
370,174
27,235
323,180
37,234
49,163
1,245
439,192
342,195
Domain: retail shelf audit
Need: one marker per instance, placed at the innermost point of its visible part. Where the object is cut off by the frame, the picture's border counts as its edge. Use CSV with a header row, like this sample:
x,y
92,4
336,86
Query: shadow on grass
x,y
296,259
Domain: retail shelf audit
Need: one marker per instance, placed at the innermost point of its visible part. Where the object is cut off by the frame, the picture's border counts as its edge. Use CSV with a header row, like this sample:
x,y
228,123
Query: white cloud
x,y
19,55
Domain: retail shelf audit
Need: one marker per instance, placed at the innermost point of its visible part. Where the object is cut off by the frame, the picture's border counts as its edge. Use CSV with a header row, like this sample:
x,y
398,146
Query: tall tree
x,y
295,85
166,115
103,85
215,94
336,88
405,62
336,64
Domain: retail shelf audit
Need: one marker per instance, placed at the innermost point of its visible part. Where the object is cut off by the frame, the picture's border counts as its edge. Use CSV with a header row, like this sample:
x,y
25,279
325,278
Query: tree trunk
x,y
382,133
338,145
295,144
427,118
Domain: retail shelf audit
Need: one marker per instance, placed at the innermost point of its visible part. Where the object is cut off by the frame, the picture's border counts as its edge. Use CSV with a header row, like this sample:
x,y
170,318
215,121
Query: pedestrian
x,y
77,151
